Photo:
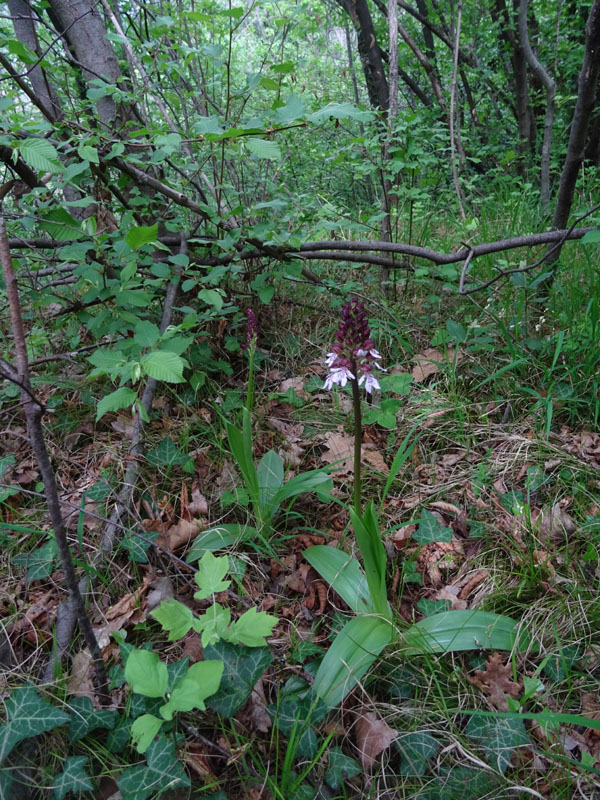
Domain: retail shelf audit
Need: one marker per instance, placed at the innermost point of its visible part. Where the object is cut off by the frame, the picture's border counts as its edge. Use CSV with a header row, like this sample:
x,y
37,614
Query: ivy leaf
x,y
498,737
243,666
191,691
28,715
263,148
73,778
174,617
164,366
252,628
84,719
341,768
430,530
40,562
209,577
416,749
163,771
138,236
40,154
167,454
146,673
120,398
143,731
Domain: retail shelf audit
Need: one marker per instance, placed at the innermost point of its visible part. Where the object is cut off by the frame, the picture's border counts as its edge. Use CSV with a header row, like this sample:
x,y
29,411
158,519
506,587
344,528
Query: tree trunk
x,y
370,54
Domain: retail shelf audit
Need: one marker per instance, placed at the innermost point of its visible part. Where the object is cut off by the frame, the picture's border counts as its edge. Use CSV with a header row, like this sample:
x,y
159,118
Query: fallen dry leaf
x,y
429,361
496,681
373,456
556,525
180,534
451,593
80,683
373,736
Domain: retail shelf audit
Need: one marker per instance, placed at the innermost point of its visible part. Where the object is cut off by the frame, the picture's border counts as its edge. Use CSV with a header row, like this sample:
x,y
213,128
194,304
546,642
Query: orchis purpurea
x,y
352,358
250,346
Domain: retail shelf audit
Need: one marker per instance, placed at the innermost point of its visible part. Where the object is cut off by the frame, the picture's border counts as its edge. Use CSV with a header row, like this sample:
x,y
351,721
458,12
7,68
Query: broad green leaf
x,y
430,530
269,473
354,650
498,738
22,52
174,617
452,631
40,154
283,68
397,382
73,778
137,236
591,237
341,768
60,225
146,334
252,628
218,538
211,297
243,666
164,366
315,480
240,443
121,398
146,673
84,719
88,153
416,748
209,577
292,110
339,111
263,148
27,715
190,692
213,624
343,573
143,731
163,771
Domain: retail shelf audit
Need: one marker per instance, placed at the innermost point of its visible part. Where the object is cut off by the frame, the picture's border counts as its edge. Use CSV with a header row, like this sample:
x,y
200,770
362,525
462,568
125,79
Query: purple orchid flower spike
x,y
251,330
353,355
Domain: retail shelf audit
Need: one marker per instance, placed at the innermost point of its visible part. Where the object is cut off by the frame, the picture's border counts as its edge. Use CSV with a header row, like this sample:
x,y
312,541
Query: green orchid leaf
x,y
343,573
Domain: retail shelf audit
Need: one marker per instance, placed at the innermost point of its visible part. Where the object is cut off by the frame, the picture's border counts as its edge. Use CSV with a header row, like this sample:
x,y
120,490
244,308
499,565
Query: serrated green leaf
x,y
292,110
163,771
452,631
213,624
191,691
137,236
341,768
73,778
40,154
211,297
88,153
209,577
591,237
120,398
146,334
498,738
146,673
339,111
143,731
174,617
60,225
28,715
252,628
164,366
263,148
243,666
430,530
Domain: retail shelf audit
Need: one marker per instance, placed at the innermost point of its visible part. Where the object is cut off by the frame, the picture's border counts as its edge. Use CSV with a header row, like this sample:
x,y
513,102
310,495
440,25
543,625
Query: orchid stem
x,y
357,443
250,390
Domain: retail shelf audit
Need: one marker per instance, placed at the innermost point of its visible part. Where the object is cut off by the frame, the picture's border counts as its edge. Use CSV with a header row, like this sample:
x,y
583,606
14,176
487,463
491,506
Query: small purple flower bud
x,y
251,330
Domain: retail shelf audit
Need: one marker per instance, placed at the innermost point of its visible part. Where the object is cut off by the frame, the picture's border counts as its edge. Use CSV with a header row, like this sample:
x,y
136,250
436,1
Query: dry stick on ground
x,y
33,414
65,619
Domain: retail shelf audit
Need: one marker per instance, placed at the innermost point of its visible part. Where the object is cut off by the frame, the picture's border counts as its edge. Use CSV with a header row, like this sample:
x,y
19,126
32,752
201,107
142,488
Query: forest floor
x,y
496,508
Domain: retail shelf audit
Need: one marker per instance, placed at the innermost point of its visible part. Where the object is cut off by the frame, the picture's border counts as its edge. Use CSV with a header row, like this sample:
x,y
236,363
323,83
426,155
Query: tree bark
x,y
370,54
